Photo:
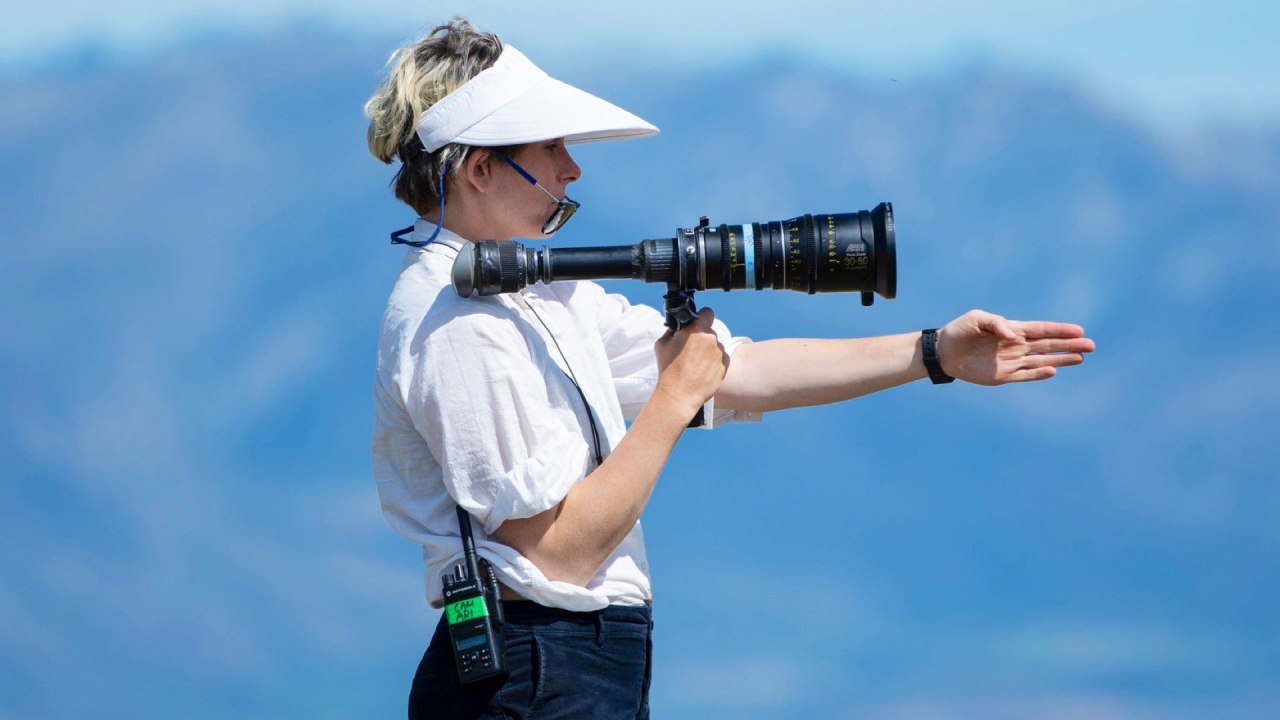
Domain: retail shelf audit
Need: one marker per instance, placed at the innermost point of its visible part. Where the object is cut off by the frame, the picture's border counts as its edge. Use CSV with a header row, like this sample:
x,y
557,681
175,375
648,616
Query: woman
x,y
514,407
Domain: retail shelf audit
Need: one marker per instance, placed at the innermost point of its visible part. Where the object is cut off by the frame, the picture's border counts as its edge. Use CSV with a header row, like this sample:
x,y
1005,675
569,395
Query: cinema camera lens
x,y
838,252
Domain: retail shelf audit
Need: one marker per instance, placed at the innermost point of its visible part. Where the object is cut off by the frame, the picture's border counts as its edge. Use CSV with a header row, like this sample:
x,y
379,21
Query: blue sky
x,y
1171,63
193,519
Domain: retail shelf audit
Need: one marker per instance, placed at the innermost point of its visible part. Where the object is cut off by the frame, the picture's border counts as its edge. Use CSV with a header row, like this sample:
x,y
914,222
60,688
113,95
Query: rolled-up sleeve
x,y
478,398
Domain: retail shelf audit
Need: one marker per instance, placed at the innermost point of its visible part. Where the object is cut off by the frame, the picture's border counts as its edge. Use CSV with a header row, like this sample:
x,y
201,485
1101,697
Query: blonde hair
x,y
420,75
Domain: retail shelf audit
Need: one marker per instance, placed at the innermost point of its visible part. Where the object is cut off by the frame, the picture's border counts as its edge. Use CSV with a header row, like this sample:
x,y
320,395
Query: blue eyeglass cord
x,y
523,173
397,237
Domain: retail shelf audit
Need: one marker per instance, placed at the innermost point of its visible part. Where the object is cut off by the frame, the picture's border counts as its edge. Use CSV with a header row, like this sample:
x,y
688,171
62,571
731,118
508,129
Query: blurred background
x,y
194,264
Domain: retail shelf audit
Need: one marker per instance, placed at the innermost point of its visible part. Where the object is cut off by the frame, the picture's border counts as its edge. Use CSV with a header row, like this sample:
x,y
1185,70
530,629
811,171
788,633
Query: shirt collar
x,y
422,229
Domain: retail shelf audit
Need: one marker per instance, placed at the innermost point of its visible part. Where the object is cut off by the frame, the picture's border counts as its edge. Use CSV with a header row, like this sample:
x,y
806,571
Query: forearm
x,y
572,540
778,374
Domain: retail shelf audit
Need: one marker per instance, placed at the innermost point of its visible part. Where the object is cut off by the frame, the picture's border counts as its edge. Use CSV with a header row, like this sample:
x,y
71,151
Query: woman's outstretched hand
x,y
986,349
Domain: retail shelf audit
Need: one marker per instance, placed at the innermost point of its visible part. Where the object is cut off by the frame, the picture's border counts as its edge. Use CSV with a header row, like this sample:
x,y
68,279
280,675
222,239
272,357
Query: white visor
x,y
514,102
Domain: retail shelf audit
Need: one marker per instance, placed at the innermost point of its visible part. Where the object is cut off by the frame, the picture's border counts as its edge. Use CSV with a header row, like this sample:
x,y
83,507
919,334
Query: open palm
x,y
987,349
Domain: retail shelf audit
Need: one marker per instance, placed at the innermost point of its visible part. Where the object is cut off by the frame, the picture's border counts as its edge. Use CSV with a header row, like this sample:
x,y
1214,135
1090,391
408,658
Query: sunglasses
x,y
564,208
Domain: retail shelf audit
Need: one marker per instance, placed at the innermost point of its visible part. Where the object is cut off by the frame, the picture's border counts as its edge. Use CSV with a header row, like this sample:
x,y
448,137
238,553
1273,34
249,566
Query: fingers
x,y
700,323
691,362
1040,329
1043,367
1030,350
1058,345
1057,360
995,324
705,317
1032,374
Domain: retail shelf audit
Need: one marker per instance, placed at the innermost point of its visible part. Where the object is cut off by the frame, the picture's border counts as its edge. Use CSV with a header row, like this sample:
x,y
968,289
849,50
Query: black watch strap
x,y
929,348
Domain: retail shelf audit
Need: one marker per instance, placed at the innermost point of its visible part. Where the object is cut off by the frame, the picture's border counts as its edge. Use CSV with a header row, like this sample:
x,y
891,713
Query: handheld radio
x,y
474,614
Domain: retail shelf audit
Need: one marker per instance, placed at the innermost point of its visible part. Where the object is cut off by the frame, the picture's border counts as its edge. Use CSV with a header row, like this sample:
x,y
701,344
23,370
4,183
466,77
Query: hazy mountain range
x,y
193,266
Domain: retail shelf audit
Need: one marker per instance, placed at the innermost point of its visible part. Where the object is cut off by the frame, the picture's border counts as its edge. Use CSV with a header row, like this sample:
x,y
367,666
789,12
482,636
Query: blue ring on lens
x,y
749,254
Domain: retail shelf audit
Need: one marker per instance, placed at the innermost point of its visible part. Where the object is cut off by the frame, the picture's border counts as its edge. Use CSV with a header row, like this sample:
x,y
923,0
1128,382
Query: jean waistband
x,y
531,613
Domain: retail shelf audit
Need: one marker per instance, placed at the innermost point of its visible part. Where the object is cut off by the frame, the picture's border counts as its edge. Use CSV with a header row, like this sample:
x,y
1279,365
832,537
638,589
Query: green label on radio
x,y
465,610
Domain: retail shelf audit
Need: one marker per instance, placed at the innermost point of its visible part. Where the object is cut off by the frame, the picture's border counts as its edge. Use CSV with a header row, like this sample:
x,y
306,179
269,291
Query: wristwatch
x,y
929,348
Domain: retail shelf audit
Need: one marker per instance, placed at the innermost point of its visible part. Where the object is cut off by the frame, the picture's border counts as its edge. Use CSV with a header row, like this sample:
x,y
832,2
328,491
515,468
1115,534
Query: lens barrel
x,y
837,252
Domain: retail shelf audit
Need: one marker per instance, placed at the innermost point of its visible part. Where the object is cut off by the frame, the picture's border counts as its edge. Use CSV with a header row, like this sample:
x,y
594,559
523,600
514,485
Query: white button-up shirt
x,y
474,408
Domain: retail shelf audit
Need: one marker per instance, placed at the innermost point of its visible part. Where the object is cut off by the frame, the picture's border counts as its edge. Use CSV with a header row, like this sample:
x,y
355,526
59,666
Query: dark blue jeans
x,y
589,665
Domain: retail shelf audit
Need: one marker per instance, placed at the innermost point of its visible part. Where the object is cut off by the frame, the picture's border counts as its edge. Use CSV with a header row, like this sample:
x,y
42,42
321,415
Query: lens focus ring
x,y
509,263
